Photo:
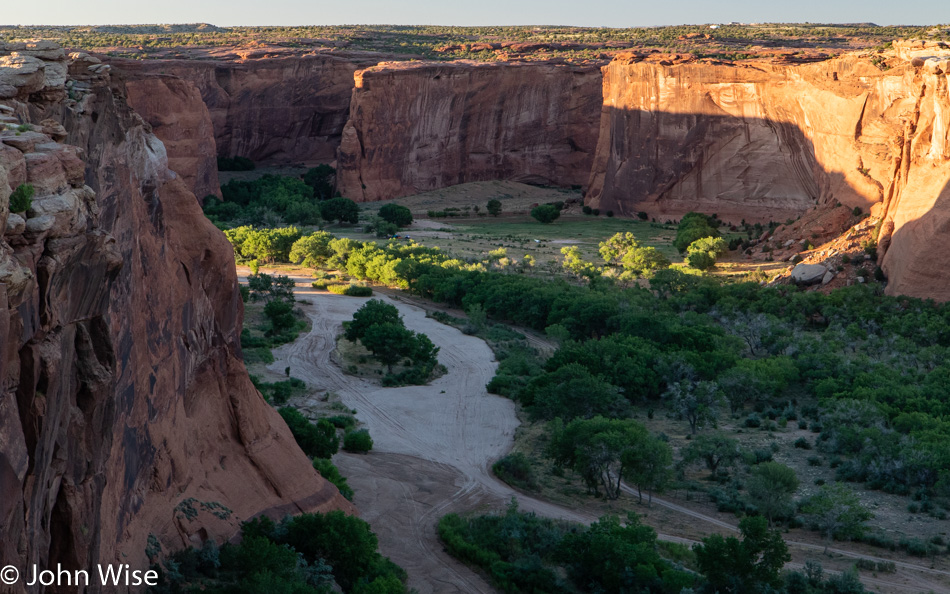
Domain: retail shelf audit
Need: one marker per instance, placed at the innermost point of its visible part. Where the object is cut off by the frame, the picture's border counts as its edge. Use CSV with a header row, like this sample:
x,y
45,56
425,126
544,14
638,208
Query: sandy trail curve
x,y
432,450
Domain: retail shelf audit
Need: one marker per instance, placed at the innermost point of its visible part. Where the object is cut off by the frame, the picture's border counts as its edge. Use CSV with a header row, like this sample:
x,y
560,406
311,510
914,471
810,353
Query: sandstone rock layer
x,y
417,126
127,419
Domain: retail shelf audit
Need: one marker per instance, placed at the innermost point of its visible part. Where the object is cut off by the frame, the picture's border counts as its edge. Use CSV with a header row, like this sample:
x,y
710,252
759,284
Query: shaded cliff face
x,y
757,141
415,127
126,415
272,111
916,224
764,141
174,109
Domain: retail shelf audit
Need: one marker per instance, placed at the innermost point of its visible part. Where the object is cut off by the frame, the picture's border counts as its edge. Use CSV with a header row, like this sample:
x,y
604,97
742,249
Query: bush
x,y
358,442
642,215
22,198
515,469
396,214
802,443
587,210
329,471
546,213
316,440
350,290
493,207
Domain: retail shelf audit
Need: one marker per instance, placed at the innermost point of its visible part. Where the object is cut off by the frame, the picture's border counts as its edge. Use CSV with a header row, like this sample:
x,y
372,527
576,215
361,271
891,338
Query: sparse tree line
x,y
522,552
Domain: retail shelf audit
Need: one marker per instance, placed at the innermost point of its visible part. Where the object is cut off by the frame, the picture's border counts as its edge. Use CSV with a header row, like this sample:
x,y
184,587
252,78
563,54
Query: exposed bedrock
x,y
126,415
418,126
271,110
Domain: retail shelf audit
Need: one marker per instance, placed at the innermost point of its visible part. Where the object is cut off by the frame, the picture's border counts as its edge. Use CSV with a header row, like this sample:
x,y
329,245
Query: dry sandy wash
x,y
433,451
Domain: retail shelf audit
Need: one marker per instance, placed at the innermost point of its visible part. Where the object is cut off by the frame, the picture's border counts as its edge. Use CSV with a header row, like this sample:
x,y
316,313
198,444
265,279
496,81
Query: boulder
x,y
829,276
808,274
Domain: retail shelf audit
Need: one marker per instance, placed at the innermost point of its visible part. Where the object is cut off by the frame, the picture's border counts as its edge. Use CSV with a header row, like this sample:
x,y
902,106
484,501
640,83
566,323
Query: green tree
x,y
341,210
575,264
389,343
357,441
396,214
837,512
695,402
649,466
320,178
703,253
614,557
771,489
493,207
694,226
372,313
22,198
546,213
716,450
312,250
598,449
617,246
280,313
644,261
316,440
747,565
572,391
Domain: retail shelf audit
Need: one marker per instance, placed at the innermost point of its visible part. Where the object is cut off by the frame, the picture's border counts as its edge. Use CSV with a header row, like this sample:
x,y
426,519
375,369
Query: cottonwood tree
x,y
598,449
649,466
716,450
694,402
753,564
837,512
771,488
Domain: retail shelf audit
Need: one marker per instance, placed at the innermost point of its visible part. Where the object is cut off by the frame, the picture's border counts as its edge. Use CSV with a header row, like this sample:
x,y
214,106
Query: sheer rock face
x,y
758,141
763,141
416,126
173,108
126,415
270,110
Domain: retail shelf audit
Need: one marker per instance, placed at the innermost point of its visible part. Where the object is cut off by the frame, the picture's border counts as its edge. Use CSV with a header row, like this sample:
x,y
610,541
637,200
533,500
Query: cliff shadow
x,y
668,163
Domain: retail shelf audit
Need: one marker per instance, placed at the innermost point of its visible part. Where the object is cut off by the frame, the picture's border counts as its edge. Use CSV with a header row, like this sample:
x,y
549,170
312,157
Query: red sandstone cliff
x,y
271,110
126,413
765,141
417,126
173,108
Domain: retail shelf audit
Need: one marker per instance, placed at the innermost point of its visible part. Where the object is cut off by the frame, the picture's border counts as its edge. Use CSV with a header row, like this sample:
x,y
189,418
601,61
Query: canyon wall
x,y
418,126
765,141
173,107
272,110
758,141
127,419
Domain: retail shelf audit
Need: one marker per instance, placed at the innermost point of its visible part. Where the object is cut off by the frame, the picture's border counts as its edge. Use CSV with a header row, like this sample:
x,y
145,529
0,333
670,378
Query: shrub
x,y
587,210
357,441
546,213
22,198
802,443
316,440
515,469
493,207
329,471
642,215
610,213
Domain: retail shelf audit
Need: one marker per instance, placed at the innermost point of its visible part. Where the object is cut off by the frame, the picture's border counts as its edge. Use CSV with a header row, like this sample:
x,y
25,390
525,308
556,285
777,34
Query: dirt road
x,y
433,447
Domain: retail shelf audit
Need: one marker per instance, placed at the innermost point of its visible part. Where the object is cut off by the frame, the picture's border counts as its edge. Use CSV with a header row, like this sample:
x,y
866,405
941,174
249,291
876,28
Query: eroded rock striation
x,y
272,110
420,126
179,118
127,419
767,141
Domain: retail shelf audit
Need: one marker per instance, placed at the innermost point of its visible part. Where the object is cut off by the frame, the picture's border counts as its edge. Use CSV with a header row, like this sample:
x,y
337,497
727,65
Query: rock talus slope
x,y
420,126
126,415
